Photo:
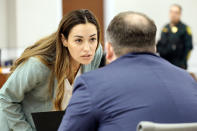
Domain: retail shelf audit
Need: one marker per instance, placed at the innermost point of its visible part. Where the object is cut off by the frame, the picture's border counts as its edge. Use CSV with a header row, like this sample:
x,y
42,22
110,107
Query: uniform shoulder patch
x,y
189,31
165,29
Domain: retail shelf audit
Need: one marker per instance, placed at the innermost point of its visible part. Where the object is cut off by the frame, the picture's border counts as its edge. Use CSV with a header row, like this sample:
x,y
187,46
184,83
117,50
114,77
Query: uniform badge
x,y
174,29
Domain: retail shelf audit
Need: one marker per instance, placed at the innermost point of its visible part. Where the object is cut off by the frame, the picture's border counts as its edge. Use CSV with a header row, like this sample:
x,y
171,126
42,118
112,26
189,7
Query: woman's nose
x,y
86,46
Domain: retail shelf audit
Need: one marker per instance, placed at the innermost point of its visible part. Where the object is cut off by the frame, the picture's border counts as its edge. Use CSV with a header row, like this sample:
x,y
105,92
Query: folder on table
x,y
47,121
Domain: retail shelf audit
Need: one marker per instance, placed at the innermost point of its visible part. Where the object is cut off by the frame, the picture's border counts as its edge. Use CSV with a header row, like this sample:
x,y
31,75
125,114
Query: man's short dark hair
x,y
131,31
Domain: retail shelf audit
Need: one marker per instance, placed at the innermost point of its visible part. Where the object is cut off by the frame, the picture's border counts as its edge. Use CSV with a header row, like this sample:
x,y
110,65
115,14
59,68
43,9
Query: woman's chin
x,y
86,62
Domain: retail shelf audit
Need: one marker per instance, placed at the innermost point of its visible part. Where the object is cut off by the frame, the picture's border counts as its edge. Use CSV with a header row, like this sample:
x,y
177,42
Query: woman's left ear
x,y
64,41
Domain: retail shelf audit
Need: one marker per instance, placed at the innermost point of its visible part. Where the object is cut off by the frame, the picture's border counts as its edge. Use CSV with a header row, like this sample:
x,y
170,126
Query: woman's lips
x,y
86,57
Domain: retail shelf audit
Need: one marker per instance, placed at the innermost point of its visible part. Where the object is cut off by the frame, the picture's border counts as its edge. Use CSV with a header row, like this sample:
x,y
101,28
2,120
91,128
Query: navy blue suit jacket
x,y
136,87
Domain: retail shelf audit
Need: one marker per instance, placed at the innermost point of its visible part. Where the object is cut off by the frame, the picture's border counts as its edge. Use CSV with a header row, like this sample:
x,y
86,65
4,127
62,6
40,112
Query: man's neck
x,y
174,23
140,50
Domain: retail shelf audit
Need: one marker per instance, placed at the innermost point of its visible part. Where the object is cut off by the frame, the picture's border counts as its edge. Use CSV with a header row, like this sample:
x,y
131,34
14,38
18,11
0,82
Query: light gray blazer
x,y
26,91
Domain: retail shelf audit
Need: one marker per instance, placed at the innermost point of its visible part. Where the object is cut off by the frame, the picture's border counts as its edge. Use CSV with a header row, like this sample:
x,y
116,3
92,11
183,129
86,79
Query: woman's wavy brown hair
x,y
51,52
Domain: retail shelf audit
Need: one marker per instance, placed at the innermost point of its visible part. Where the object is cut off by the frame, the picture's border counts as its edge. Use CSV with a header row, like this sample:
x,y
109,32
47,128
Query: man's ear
x,y
110,56
64,41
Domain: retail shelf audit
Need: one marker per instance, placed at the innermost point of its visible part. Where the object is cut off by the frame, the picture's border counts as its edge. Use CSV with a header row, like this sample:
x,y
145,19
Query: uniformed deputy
x,y
175,44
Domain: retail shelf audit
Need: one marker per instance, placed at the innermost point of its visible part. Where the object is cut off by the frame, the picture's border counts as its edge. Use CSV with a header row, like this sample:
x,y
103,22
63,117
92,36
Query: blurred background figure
x,y
175,44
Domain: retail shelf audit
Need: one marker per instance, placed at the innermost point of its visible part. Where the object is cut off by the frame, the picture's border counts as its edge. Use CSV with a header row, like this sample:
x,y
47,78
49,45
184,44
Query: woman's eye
x,y
78,40
93,39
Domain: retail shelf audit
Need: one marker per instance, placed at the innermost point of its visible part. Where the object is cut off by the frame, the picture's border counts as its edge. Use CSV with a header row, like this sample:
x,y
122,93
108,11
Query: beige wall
x,y
3,23
23,22
35,19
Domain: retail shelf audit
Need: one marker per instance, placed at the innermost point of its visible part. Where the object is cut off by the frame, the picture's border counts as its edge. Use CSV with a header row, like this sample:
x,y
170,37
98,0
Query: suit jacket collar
x,y
139,53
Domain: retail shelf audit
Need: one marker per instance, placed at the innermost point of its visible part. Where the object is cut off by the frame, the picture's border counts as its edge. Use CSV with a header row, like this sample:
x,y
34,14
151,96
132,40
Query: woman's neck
x,y
75,66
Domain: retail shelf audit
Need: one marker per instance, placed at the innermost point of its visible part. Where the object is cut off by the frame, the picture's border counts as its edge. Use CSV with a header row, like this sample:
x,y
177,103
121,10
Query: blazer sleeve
x,y
96,61
79,114
22,80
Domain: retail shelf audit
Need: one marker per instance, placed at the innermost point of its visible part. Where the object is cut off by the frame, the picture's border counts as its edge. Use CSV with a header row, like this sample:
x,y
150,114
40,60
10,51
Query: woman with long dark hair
x,y
42,78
